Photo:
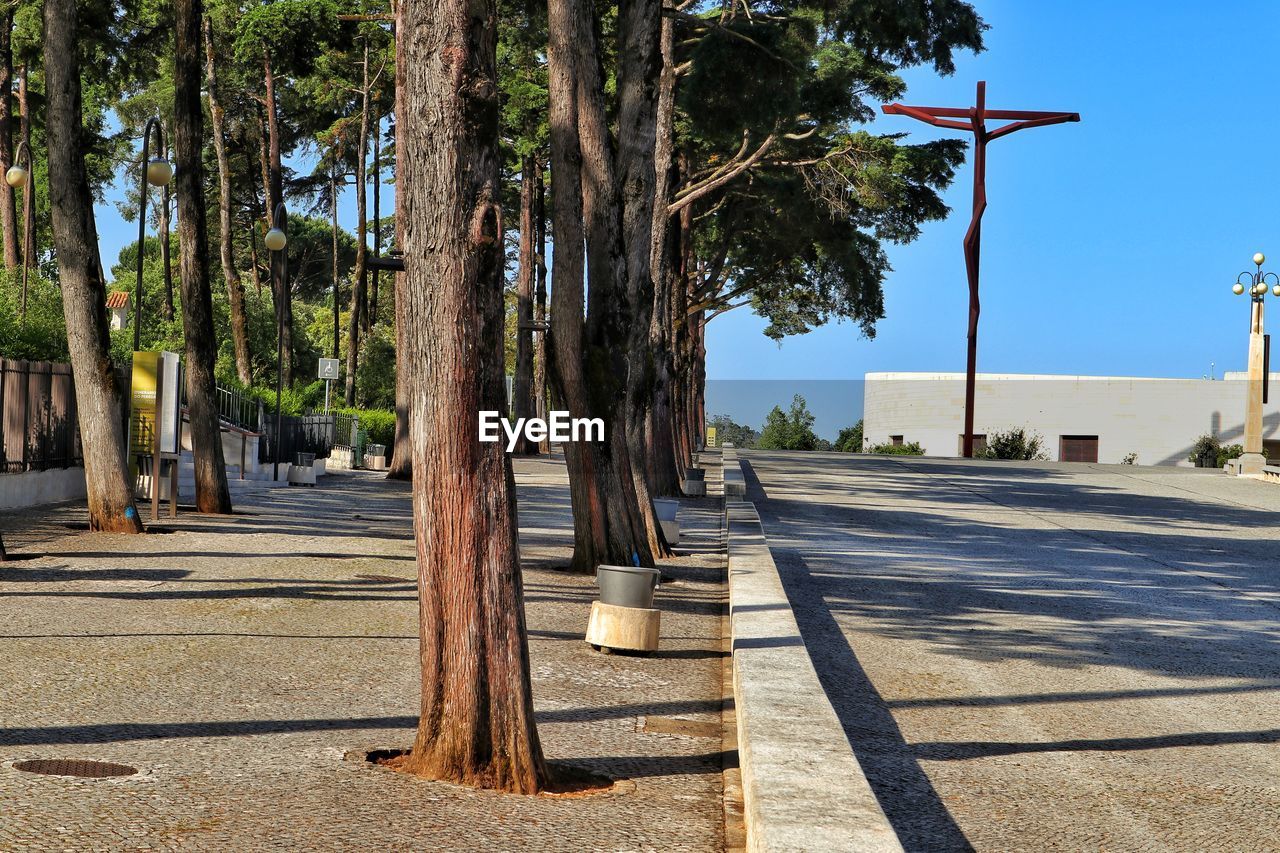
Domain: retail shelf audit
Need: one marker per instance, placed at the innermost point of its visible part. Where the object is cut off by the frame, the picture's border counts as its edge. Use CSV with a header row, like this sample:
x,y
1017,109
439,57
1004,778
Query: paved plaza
x,y
1038,656
244,665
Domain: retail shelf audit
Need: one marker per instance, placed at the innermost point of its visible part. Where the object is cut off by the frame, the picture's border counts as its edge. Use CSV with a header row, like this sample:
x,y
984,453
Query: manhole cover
x,y
384,579
75,767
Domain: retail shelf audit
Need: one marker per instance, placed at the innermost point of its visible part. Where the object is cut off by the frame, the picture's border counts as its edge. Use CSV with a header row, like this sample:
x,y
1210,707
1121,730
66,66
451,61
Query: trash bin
x,y
376,450
695,473
362,438
665,508
625,586
304,460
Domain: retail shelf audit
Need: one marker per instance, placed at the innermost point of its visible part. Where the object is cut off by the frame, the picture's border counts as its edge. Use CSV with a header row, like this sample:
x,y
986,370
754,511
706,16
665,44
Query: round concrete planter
x,y
627,586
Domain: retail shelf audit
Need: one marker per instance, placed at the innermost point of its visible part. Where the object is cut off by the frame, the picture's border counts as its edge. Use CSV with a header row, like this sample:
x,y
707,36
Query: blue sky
x,y
1109,246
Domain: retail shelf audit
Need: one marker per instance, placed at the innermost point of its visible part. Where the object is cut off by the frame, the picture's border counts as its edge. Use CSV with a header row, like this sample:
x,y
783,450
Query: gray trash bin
x,y
665,508
624,586
695,473
304,460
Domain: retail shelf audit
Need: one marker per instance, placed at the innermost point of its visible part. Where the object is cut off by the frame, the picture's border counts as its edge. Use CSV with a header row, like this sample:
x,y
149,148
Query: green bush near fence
x,y
380,424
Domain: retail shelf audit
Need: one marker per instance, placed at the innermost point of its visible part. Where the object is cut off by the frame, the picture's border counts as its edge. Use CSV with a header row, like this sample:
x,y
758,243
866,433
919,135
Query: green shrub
x,y
850,439
380,424
911,448
791,430
1016,443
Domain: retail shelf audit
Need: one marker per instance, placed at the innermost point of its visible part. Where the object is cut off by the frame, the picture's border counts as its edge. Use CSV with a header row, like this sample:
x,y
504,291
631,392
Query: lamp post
x,y
275,241
19,175
1255,284
157,172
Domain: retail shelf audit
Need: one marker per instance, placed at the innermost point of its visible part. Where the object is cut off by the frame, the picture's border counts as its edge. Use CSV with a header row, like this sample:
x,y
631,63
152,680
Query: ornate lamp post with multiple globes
x,y
275,240
1255,284
157,172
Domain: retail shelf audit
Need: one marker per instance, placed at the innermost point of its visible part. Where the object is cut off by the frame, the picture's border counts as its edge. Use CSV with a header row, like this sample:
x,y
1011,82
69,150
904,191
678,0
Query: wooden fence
x,y
38,426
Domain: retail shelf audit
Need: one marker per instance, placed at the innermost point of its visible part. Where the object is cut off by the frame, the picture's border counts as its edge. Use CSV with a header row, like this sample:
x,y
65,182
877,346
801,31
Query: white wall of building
x,y
1159,419
32,488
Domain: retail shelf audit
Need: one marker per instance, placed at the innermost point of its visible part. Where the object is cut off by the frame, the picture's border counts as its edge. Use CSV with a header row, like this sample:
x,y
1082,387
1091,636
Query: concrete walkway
x,y
1042,656
239,663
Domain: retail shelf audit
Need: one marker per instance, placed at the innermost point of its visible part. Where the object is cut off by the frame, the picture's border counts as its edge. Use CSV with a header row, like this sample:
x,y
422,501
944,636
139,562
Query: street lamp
x,y
276,240
157,172
19,175
1256,285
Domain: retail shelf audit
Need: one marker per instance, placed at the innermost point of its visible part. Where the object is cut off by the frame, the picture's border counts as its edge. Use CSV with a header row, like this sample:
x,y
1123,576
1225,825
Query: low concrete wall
x,y
735,484
803,788
32,488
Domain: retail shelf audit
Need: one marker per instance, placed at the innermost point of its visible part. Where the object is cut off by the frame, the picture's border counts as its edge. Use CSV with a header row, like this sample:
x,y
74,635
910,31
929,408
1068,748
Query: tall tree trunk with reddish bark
x,y
166,262
589,360
522,386
664,467
8,200
28,195
110,496
360,286
477,723
235,287
275,195
540,299
212,492
400,466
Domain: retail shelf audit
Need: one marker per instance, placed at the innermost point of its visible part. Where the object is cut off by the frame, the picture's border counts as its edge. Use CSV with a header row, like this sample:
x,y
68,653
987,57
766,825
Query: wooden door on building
x,y
1078,448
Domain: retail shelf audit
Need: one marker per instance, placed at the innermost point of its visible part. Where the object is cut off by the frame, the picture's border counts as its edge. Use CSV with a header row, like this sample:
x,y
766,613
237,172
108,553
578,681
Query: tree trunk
x,y
639,89
28,192
612,306
401,465
8,200
540,300
212,492
477,724
333,224
235,287
110,496
275,195
166,262
377,217
522,387
360,291
664,471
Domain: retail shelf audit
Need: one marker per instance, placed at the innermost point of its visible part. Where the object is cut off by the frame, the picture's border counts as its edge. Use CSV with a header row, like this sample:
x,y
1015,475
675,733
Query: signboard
x,y
711,436
328,368
149,411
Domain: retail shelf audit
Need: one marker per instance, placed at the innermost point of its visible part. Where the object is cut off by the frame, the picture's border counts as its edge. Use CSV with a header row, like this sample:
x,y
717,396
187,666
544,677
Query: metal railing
x,y
234,408
38,425
305,434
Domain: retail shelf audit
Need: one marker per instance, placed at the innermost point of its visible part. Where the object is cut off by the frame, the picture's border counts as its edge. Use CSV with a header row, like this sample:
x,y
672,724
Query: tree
x,y
226,250
792,430
477,724
850,439
1016,443
735,433
110,496
212,492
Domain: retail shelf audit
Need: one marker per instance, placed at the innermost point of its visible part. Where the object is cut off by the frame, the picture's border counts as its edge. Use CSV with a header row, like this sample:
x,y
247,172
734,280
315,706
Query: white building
x,y
1081,418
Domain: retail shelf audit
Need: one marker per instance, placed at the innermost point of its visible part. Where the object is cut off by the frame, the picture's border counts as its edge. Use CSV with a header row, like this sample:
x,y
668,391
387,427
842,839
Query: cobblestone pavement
x,y
1039,656
236,662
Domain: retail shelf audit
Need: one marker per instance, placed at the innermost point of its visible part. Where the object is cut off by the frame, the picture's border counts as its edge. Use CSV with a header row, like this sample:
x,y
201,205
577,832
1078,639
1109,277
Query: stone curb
x,y
802,785
735,482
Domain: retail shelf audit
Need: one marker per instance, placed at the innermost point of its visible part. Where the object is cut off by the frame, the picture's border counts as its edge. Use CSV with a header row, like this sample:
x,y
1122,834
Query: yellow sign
x,y
142,402
711,437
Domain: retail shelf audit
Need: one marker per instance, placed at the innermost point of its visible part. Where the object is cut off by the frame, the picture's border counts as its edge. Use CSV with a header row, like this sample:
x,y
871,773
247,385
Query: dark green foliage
x,y
911,448
798,235
380,424
1210,449
850,439
735,433
791,430
1016,443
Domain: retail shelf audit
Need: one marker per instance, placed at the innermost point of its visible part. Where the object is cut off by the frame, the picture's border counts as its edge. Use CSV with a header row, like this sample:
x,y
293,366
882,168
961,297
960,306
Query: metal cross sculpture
x,y
974,120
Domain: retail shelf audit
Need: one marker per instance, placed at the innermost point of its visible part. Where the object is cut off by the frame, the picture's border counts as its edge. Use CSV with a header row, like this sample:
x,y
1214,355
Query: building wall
x,y
1159,419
